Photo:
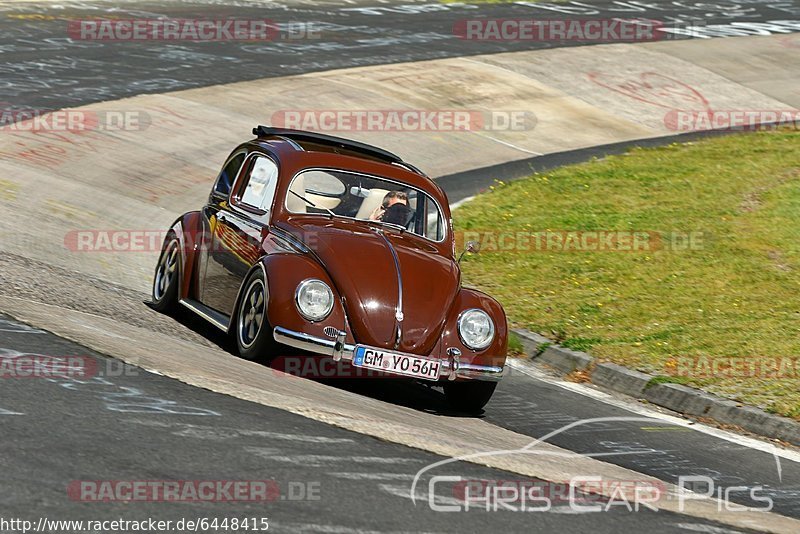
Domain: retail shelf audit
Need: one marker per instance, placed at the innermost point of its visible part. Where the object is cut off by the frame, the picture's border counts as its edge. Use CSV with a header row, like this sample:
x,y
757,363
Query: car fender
x,y
495,353
284,272
190,231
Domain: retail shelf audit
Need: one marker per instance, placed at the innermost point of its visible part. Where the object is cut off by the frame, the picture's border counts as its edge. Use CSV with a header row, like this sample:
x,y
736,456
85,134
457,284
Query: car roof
x,y
304,138
310,149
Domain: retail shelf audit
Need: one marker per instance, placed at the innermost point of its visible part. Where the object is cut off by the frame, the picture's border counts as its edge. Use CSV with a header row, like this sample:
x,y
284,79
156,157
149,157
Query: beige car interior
x,y
293,203
372,201
320,181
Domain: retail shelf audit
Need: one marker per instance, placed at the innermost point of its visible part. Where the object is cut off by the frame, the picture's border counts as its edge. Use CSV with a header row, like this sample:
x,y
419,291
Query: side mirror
x,y
471,247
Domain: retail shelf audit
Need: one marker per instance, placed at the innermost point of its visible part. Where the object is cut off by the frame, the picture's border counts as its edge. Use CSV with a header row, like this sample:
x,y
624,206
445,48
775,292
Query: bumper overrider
x,y
339,350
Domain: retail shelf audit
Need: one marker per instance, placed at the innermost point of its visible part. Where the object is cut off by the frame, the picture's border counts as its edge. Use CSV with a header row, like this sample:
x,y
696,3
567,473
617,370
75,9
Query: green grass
x,y
734,294
515,347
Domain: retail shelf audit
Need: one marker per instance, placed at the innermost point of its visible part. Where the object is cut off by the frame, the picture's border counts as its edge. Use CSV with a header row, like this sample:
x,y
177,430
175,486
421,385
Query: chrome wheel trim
x,y
251,313
166,272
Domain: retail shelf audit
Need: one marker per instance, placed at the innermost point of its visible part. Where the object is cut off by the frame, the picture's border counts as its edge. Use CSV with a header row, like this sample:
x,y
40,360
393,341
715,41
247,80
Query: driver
x,y
394,209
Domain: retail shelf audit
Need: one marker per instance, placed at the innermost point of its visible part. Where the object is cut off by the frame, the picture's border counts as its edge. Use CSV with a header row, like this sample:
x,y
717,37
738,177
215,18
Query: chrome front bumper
x,y
339,350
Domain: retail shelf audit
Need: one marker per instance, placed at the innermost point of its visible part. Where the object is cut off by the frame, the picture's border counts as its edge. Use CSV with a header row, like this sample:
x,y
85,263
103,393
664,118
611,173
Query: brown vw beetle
x,y
337,248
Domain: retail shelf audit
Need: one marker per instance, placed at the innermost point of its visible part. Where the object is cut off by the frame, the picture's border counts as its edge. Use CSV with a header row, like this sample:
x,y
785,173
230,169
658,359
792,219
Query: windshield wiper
x,y
304,199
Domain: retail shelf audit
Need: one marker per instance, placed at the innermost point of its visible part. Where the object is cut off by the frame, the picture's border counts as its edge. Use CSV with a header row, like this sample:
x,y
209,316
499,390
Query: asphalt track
x,y
118,428
40,68
126,424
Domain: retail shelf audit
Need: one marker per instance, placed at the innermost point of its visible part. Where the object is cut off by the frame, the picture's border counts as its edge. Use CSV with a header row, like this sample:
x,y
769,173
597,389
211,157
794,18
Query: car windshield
x,y
359,196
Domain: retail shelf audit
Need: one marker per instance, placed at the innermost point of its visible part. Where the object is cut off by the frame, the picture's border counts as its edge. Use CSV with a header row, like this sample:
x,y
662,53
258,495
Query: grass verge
x,y
711,295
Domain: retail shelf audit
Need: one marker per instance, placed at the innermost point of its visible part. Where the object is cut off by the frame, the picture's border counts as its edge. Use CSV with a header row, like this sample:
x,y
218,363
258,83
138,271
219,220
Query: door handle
x,y
222,218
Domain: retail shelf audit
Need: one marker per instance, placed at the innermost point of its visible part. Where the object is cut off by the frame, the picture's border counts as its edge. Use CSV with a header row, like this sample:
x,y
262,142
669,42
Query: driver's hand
x,y
377,213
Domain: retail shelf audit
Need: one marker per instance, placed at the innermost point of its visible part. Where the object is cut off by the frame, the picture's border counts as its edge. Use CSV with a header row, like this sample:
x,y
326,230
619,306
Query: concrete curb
x,y
676,397
464,184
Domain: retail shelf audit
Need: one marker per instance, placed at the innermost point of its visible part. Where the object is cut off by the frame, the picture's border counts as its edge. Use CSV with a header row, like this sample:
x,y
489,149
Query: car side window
x,y
228,174
433,220
260,188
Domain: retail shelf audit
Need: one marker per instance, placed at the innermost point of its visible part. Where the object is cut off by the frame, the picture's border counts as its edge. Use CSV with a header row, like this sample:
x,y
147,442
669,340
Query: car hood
x,y
359,258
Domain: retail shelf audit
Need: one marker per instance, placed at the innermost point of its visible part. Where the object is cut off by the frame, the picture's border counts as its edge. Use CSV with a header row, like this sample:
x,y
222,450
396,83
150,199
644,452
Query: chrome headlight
x,y
476,329
314,299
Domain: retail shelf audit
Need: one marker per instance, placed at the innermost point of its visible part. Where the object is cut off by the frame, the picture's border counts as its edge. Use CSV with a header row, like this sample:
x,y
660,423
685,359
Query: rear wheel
x,y
469,397
253,332
165,280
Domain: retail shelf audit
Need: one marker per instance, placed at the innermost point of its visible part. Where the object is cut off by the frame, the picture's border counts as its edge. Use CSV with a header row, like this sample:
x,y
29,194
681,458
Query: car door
x,y
238,229
218,199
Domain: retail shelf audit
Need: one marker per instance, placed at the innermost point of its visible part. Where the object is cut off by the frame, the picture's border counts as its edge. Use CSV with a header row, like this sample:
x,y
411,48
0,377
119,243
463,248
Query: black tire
x,y
166,279
251,328
469,397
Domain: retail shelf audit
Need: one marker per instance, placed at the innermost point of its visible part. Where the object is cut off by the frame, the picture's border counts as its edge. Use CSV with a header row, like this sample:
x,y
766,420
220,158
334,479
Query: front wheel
x,y
469,397
253,332
165,280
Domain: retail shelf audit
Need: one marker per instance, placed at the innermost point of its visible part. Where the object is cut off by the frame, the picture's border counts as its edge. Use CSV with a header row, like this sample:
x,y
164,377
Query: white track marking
x,y
373,476
421,494
606,398
222,434
225,433
294,437
124,399
515,147
709,529
18,328
101,330
337,529
324,460
456,205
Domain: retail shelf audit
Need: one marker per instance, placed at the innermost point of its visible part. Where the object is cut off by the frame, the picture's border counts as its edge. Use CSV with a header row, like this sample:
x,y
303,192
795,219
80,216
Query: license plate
x,y
393,362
